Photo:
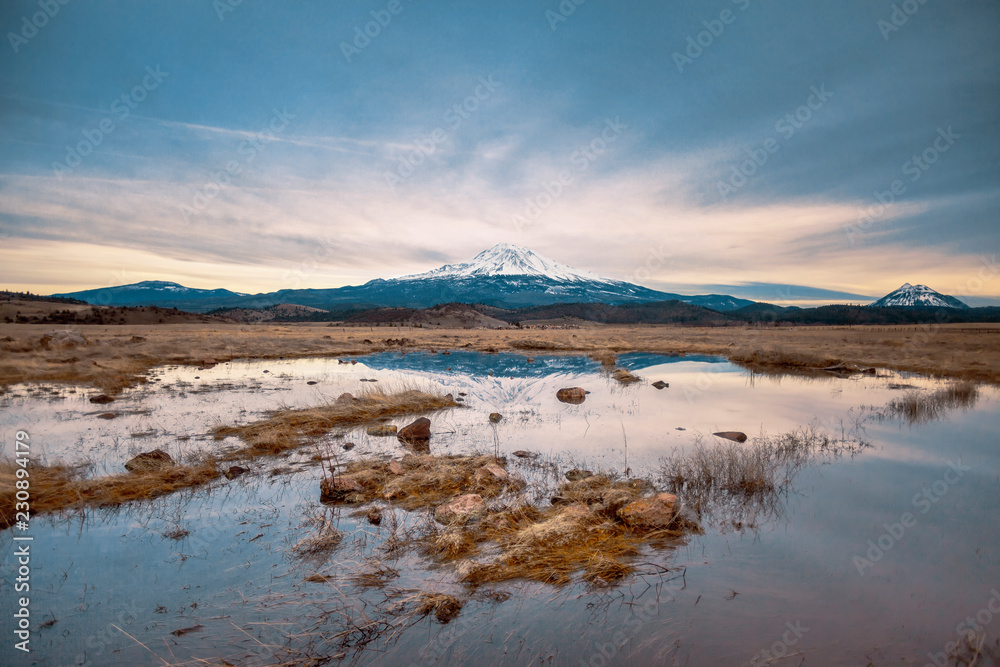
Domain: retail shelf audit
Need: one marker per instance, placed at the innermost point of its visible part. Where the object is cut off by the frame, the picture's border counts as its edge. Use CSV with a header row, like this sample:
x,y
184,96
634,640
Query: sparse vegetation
x,y
916,407
57,487
288,429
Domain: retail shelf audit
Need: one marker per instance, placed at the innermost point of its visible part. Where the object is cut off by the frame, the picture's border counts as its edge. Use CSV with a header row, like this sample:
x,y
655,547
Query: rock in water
x,y
102,399
149,461
417,434
382,430
495,417
235,471
338,489
524,454
461,509
575,475
660,384
656,512
735,436
575,395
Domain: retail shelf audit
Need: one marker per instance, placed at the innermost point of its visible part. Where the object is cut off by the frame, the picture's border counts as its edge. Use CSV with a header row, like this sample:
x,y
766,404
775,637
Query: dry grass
x,y
625,376
55,488
742,481
112,361
918,408
321,542
288,429
428,481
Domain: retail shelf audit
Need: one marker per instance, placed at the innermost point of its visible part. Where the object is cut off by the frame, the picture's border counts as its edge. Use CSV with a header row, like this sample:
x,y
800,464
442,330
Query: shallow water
x,y
789,582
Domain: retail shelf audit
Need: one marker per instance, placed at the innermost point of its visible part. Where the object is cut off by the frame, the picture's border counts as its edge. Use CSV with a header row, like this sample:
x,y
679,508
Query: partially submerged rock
x,y
101,399
339,489
461,509
492,471
234,472
416,434
495,417
396,468
524,454
382,430
735,436
574,395
576,474
656,513
660,384
625,376
345,398
149,461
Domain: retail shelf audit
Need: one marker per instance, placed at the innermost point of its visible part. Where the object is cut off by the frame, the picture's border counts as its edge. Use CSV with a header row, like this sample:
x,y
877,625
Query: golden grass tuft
x,y
428,480
624,376
288,429
918,408
56,487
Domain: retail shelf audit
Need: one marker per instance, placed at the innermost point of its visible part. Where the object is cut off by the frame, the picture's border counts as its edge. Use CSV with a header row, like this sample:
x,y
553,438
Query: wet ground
x,y
875,555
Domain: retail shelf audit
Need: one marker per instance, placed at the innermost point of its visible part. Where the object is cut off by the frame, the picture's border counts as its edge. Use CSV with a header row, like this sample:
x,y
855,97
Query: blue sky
x,y
731,145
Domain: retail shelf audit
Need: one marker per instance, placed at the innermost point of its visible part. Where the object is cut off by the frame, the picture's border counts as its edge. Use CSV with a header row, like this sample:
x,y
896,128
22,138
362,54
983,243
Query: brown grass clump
x,y
57,487
624,376
583,532
917,408
427,481
288,429
606,358
444,607
321,542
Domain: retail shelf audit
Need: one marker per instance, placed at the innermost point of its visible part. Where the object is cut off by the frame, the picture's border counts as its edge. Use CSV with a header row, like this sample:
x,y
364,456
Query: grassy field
x,y
117,356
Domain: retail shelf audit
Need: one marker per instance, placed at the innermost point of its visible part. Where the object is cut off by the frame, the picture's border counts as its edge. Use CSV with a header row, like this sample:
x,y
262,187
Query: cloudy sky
x,y
722,145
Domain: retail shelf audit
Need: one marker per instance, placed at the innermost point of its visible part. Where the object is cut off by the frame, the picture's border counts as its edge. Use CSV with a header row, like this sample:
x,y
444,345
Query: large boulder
x,y
62,339
735,436
573,395
654,513
461,509
149,461
417,434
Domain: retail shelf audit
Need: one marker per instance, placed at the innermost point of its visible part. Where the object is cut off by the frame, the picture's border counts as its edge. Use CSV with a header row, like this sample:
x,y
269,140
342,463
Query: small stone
x,y
345,398
374,516
107,415
312,382
235,471
348,446
101,399
524,454
492,471
735,436
495,417
660,384
574,395
461,509
382,430
576,474
396,468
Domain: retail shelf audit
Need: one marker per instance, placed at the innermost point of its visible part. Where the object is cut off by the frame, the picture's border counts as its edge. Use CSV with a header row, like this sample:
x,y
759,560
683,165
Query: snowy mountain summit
x,y
918,296
505,259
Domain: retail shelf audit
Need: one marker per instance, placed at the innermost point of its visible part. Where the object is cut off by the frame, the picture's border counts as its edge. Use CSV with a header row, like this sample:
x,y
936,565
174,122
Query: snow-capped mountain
x,y
504,276
918,296
505,259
